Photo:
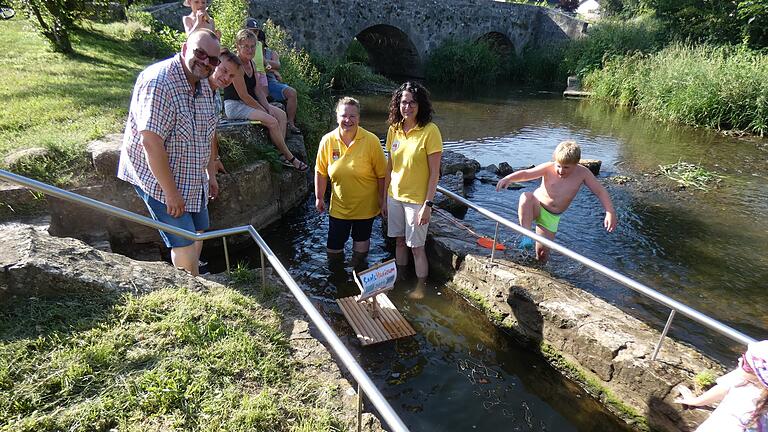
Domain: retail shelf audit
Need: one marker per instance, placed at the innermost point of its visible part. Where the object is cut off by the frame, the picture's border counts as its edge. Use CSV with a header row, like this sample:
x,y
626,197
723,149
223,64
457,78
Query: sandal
x,y
302,167
292,127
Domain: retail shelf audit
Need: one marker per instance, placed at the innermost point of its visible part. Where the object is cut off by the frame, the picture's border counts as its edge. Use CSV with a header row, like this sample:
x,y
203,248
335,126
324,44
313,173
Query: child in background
x,y
199,17
560,182
742,393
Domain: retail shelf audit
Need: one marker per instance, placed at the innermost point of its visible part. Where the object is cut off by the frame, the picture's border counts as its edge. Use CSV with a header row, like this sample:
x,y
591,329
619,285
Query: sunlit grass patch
x,y
169,360
690,176
62,102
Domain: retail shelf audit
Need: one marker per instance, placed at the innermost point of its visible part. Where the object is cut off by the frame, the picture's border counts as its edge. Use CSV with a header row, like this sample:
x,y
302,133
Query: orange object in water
x,y
488,243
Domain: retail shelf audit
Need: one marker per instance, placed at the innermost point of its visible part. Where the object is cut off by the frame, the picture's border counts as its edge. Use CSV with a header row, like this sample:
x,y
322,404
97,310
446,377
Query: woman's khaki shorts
x,y
402,221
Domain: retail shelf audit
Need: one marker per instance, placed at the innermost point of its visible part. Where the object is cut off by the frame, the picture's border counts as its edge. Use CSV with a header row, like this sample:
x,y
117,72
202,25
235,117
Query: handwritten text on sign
x,y
377,280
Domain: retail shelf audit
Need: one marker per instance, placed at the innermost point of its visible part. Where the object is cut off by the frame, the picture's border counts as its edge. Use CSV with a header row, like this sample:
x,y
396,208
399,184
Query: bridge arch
x,y
390,50
500,42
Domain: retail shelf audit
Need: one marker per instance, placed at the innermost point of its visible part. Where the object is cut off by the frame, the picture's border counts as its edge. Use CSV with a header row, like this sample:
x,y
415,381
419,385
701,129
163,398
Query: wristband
x,y
429,203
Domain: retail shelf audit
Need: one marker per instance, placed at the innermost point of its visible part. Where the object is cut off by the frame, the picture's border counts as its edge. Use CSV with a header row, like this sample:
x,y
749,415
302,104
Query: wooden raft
x,y
389,325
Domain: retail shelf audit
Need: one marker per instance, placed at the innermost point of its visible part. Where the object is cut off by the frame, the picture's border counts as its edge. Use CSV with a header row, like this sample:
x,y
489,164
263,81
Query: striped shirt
x,y
164,103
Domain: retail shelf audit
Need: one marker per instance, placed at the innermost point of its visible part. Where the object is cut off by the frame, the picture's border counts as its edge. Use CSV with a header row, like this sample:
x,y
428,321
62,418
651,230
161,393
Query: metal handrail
x,y
363,381
673,304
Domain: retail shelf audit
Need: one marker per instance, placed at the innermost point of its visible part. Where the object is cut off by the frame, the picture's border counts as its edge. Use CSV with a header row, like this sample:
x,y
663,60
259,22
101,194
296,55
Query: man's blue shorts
x,y
276,89
188,221
339,230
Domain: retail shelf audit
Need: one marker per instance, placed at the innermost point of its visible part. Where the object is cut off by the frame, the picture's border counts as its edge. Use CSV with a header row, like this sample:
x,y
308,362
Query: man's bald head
x,y
198,52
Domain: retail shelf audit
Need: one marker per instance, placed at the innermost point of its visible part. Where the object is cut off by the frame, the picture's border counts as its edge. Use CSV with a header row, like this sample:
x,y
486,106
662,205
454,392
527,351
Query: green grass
x,y
705,379
59,102
689,175
169,360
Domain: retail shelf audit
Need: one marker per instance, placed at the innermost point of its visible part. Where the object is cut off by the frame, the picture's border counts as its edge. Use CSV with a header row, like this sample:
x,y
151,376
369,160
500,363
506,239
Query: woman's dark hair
x,y
261,36
420,95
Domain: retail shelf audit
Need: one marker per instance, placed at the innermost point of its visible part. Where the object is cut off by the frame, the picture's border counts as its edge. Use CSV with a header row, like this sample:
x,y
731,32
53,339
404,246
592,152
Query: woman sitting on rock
x,y
244,99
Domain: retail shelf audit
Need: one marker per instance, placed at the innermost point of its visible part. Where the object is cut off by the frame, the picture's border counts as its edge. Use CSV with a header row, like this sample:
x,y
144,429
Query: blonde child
x,y
742,395
560,182
199,17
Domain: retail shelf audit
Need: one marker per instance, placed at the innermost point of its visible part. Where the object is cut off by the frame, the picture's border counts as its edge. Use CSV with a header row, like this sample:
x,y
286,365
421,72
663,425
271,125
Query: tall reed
x,y
720,87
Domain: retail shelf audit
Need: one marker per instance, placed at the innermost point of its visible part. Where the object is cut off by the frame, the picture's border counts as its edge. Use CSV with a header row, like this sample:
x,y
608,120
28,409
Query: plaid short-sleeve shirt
x,y
164,103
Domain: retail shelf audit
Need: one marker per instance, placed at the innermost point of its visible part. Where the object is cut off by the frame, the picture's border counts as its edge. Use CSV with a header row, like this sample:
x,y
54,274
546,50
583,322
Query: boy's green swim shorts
x,y
548,221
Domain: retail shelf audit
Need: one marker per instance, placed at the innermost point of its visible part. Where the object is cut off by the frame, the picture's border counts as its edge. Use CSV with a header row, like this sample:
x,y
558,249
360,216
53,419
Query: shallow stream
x,y
702,248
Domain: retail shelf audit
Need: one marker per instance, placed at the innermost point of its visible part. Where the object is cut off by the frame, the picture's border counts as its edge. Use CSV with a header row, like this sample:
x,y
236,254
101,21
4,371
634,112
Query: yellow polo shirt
x,y
354,173
408,152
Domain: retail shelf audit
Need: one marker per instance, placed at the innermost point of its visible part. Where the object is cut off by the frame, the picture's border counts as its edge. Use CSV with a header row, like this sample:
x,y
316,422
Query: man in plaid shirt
x,y
166,152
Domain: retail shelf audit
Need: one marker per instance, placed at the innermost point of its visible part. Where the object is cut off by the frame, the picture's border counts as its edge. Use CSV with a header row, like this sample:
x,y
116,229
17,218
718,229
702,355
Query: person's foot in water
x,y
419,290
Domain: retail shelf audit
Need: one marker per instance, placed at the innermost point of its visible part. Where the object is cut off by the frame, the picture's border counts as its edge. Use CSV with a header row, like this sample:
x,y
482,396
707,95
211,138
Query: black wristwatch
x,y
428,203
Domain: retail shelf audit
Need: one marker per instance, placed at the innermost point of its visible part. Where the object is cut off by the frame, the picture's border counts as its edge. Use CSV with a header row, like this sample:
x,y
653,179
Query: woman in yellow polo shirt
x,y
415,147
354,161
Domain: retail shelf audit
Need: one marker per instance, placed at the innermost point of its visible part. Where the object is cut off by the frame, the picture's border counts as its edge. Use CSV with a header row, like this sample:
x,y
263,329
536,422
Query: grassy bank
x,y
719,87
170,360
59,102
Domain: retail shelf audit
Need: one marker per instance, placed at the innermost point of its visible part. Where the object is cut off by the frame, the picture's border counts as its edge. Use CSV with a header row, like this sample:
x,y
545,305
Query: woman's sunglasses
x,y
202,56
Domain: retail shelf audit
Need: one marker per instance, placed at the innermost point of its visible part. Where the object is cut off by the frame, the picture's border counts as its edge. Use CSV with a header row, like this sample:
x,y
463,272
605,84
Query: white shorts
x,y
235,109
402,221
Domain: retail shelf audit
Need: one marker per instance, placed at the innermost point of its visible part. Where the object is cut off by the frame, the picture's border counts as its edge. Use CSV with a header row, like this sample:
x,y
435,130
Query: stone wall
x,y
607,351
255,194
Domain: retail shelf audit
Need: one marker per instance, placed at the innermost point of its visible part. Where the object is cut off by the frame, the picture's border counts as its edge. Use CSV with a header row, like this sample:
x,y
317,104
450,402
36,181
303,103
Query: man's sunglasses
x,y
202,56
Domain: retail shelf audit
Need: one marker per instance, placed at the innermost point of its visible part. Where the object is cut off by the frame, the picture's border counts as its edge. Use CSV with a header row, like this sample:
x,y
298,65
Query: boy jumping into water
x,y
560,182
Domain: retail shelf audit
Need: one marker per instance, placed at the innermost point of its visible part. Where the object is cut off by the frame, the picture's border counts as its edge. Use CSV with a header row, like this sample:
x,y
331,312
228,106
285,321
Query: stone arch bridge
x,y
400,35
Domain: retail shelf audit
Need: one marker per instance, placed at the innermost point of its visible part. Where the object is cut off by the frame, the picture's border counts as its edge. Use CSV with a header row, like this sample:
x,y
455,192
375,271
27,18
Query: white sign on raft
x,y
376,280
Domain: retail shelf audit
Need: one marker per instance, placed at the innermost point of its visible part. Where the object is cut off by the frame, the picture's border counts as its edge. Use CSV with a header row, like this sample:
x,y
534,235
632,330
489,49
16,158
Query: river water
x,y
705,249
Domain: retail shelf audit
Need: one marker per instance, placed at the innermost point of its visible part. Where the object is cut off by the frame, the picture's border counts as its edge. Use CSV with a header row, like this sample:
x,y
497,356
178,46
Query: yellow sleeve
x,y
390,137
434,140
321,162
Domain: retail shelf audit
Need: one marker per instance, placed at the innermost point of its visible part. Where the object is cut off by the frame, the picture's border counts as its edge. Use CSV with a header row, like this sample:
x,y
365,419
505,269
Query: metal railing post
x,y
495,235
263,269
226,254
359,409
663,335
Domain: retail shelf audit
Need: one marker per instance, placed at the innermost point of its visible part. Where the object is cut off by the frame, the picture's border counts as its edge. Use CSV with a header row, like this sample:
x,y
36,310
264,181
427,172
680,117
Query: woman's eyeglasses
x,y
203,56
408,103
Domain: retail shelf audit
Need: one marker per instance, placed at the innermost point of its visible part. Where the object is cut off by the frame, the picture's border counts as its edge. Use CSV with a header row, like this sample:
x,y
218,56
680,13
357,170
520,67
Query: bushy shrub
x,y
356,52
464,63
154,38
611,38
229,16
300,72
348,76
721,87
539,65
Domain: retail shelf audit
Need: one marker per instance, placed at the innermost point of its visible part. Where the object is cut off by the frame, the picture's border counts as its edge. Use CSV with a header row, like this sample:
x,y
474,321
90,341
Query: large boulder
x,y
253,194
453,162
454,183
610,349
